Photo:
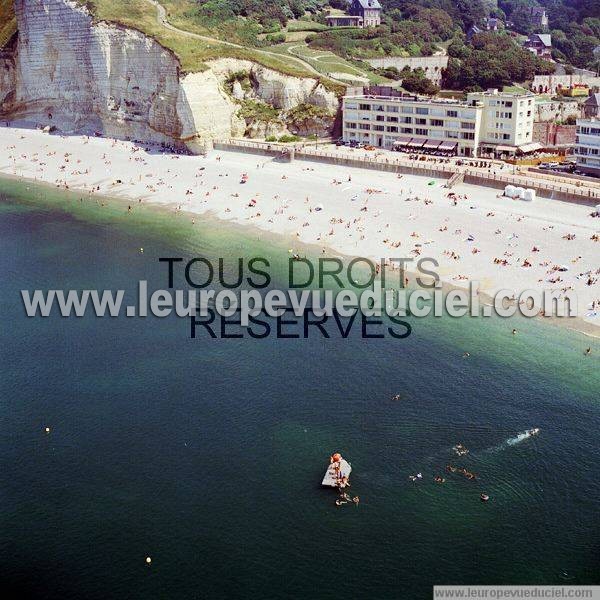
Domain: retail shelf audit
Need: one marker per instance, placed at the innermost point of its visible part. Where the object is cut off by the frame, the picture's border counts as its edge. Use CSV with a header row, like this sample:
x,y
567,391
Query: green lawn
x,y
327,62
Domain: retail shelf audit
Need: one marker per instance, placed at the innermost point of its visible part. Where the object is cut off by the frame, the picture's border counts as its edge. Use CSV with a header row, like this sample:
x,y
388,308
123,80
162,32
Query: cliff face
x,y
68,71
7,80
281,91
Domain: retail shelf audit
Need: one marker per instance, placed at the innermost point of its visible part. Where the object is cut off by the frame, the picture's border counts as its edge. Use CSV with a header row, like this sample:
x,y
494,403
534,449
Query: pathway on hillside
x,y
293,50
161,17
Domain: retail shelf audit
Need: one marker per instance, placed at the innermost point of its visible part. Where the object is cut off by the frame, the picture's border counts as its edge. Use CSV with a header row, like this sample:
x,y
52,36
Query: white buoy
x,y
141,251
47,429
148,560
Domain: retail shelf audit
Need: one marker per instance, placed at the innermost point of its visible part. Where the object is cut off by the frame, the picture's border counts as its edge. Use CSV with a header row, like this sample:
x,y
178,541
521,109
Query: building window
x,y
421,131
466,125
364,106
421,110
452,113
421,121
436,122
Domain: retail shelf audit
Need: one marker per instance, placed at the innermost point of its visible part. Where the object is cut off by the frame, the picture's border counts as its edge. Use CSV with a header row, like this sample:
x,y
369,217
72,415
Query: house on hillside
x,y
369,10
538,16
360,13
344,21
472,32
488,24
591,107
492,24
540,44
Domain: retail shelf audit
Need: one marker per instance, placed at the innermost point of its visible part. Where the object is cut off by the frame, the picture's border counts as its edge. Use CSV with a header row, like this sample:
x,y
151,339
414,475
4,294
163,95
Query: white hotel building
x,y
587,146
487,123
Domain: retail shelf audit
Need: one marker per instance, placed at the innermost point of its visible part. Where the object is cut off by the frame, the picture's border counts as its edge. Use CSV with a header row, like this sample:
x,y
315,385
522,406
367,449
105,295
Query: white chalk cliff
x,y
67,70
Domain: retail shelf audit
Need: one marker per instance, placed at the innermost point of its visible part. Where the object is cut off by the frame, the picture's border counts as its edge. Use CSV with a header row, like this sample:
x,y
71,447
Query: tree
x,y
494,60
471,12
416,82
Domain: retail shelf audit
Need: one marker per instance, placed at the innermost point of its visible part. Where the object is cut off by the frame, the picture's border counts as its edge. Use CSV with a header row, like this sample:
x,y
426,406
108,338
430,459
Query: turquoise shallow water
x,y
207,454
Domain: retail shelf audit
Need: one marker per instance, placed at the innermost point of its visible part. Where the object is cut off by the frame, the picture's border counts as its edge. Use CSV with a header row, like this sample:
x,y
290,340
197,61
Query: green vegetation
x,y
290,36
8,22
491,60
574,25
307,117
406,38
241,77
192,51
254,111
284,139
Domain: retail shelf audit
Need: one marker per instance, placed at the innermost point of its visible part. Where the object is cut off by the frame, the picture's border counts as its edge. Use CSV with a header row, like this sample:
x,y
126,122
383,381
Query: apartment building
x,y
587,146
506,123
487,123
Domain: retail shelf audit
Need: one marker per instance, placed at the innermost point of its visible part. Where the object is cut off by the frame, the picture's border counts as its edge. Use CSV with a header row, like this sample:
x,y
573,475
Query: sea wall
x,y
79,75
554,110
432,65
551,83
552,135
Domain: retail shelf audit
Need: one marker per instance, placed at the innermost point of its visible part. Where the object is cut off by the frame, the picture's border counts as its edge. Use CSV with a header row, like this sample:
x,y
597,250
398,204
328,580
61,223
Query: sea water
x,y
207,454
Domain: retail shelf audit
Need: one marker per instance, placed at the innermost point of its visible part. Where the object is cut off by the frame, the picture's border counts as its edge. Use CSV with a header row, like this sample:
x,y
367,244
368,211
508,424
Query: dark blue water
x,y
207,455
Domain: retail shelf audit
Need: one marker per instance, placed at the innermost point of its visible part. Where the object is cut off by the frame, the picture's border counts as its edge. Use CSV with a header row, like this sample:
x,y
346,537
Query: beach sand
x,y
351,211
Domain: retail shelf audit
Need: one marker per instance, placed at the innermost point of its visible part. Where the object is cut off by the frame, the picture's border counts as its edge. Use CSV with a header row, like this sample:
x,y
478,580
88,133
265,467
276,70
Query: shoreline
x,y
197,186
575,324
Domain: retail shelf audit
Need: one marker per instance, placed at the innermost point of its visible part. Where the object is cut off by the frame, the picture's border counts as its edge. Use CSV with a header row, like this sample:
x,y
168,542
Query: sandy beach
x,y
473,233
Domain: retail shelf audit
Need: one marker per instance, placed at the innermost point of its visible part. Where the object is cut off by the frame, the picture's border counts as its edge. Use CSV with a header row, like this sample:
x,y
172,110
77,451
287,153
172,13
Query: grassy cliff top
x,y
8,22
192,42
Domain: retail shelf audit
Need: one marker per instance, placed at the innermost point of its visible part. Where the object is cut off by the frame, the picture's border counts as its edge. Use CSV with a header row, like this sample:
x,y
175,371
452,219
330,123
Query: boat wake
x,y
521,437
